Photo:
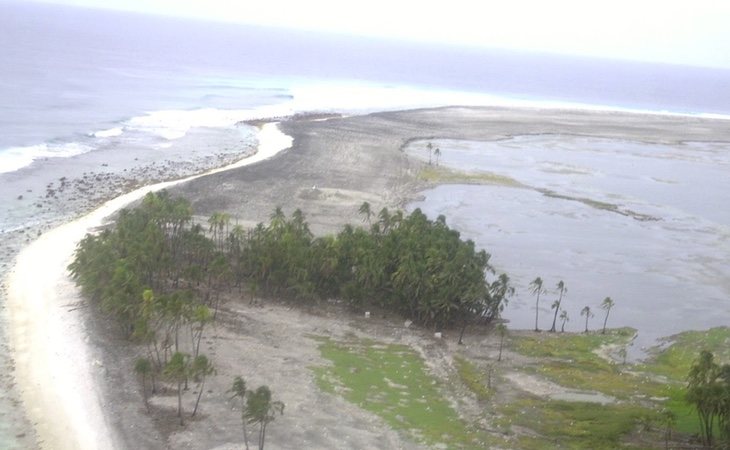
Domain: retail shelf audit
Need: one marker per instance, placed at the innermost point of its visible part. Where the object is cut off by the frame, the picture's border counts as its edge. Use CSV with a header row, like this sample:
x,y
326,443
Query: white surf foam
x,y
15,158
111,132
175,124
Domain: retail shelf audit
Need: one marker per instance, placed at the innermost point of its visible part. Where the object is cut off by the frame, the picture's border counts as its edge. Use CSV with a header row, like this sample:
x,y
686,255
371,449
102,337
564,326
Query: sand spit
x,y
58,374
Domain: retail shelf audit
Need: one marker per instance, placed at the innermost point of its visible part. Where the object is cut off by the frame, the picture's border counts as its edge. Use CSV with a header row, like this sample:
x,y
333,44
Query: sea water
x,y
87,91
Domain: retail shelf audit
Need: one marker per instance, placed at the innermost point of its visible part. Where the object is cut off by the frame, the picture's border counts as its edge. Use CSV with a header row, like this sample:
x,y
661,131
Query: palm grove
x,y
160,276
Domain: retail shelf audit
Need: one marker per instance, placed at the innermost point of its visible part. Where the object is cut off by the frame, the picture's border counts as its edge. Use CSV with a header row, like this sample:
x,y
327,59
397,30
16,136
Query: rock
x,y
367,314
437,335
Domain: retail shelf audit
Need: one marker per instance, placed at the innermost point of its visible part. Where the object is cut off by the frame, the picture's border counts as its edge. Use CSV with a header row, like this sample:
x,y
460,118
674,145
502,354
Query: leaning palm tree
x,y
562,290
606,305
586,312
261,409
365,211
564,318
239,391
199,370
537,288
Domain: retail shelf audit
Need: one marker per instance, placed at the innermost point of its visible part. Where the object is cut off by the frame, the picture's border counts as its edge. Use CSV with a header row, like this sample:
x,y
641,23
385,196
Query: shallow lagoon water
x,y
666,274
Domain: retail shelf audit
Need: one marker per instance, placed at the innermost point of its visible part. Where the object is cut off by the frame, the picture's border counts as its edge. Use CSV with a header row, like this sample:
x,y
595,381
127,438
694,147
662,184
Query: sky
x,y
689,32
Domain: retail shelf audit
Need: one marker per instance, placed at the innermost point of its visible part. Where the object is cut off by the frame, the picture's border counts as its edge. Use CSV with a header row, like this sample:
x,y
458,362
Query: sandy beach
x,y
58,375
73,369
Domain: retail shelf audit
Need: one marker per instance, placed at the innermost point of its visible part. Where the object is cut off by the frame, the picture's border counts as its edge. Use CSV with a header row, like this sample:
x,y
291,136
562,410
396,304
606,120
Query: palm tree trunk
x,y
179,403
263,435
555,317
537,310
144,393
501,341
243,421
200,393
605,321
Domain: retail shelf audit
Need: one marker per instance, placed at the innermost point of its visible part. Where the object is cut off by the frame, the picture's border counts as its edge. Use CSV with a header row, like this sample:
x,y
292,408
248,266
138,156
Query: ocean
x,y
92,94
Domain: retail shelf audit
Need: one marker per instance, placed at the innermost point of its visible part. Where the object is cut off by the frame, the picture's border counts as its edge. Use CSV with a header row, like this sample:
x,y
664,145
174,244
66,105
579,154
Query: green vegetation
x,y
673,364
572,425
393,382
257,407
574,360
155,267
474,379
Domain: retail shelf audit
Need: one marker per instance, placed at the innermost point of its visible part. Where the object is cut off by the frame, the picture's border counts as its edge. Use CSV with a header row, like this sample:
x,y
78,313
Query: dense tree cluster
x,y
408,264
708,391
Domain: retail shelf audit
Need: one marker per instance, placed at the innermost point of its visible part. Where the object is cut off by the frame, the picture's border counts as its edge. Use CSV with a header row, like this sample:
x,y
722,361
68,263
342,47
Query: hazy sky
x,y
694,32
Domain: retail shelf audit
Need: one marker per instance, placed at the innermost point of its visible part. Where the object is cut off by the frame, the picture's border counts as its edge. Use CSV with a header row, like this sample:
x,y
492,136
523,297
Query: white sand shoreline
x,y
54,368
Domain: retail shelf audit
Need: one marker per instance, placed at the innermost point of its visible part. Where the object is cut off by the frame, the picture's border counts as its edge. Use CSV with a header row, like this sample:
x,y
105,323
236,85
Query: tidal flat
x,y
641,222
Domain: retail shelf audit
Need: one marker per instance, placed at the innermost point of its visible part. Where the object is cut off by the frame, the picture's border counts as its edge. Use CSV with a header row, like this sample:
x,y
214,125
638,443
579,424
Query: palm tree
x,y
239,391
564,318
261,409
606,305
586,312
177,370
437,152
200,369
143,368
536,288
429,146
562,290
502,329
365,211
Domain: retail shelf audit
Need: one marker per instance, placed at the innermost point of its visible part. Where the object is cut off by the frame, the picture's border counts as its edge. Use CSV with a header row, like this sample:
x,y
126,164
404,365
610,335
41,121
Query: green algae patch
x,y
442,175
392,381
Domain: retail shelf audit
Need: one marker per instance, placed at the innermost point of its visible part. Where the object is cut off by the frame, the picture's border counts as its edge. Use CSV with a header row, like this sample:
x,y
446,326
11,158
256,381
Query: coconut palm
x,y
238,389
606,305
562,290
586,311
261,409
177,371
143,368
365,211
536,287
199,370
564,318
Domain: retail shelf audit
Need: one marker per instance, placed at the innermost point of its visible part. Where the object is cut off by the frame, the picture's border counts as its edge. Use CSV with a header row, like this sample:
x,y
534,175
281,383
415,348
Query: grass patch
x,y
572,360
674,361
473,378
436,174
392,382
573,425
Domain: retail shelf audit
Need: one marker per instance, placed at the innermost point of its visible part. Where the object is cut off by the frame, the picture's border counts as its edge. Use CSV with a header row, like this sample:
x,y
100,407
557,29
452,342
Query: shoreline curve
x,y
55,369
